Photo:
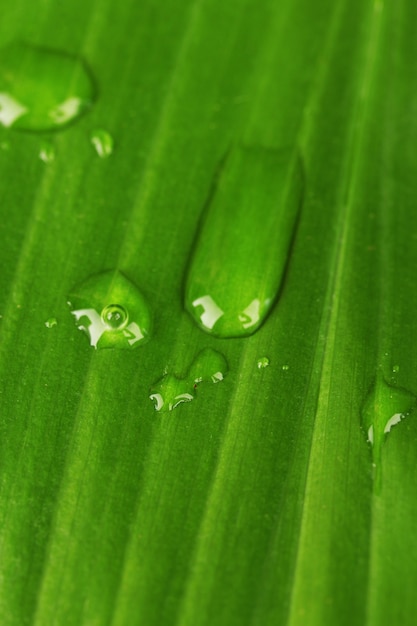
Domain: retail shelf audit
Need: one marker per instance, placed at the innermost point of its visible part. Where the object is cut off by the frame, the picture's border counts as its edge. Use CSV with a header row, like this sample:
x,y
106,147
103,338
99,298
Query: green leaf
x,y
257,503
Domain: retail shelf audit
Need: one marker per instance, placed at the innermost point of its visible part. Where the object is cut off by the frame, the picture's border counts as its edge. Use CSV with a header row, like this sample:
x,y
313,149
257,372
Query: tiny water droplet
x,y
170,391
263,362
242,247
386,406
103,143
395,369
42,89
115,316
47,152
51,322
111,311
285,368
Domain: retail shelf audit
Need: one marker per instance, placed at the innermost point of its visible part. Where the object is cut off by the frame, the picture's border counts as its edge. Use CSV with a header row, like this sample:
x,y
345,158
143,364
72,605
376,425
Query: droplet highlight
x,y
385,407
242,247
42,89
111,311
103,143
263,362
51,322
171,390
47,152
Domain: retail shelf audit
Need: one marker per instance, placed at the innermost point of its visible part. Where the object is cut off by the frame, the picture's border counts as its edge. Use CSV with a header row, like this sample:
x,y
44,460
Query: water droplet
x,y
51,322
111,311
171,390
115,316
47,152
395,369
263,362
242,248
209,365
42,89
285,368
386,406
103,143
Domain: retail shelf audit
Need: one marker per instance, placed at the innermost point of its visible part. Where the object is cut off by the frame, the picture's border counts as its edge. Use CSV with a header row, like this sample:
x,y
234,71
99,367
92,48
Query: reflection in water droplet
x,y
170,390
51,322
102,142
115,316
242,247
386,406
47,152
263,362
42,89
111,311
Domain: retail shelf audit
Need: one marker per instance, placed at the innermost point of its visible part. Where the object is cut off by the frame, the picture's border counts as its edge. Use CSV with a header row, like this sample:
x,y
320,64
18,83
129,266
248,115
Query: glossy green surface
x,y
243,244
256,503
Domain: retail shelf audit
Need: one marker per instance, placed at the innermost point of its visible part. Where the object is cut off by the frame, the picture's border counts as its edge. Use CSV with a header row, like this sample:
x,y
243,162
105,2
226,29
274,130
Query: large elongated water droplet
x,y
242,248
170,390
111,311
385,407
42,89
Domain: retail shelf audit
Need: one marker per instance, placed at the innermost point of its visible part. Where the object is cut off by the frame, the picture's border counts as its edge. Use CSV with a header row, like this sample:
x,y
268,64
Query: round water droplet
x,y
42,89
103,143
209,365
115,316
263,362
395,369
51,322
111,311
47,152
285,368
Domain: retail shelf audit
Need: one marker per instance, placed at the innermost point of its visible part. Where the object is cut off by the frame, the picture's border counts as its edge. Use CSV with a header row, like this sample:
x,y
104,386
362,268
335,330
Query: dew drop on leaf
x,y
386,406
111,311
263,362
242,248
171,390
47,152
103,143
42,89
51,322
